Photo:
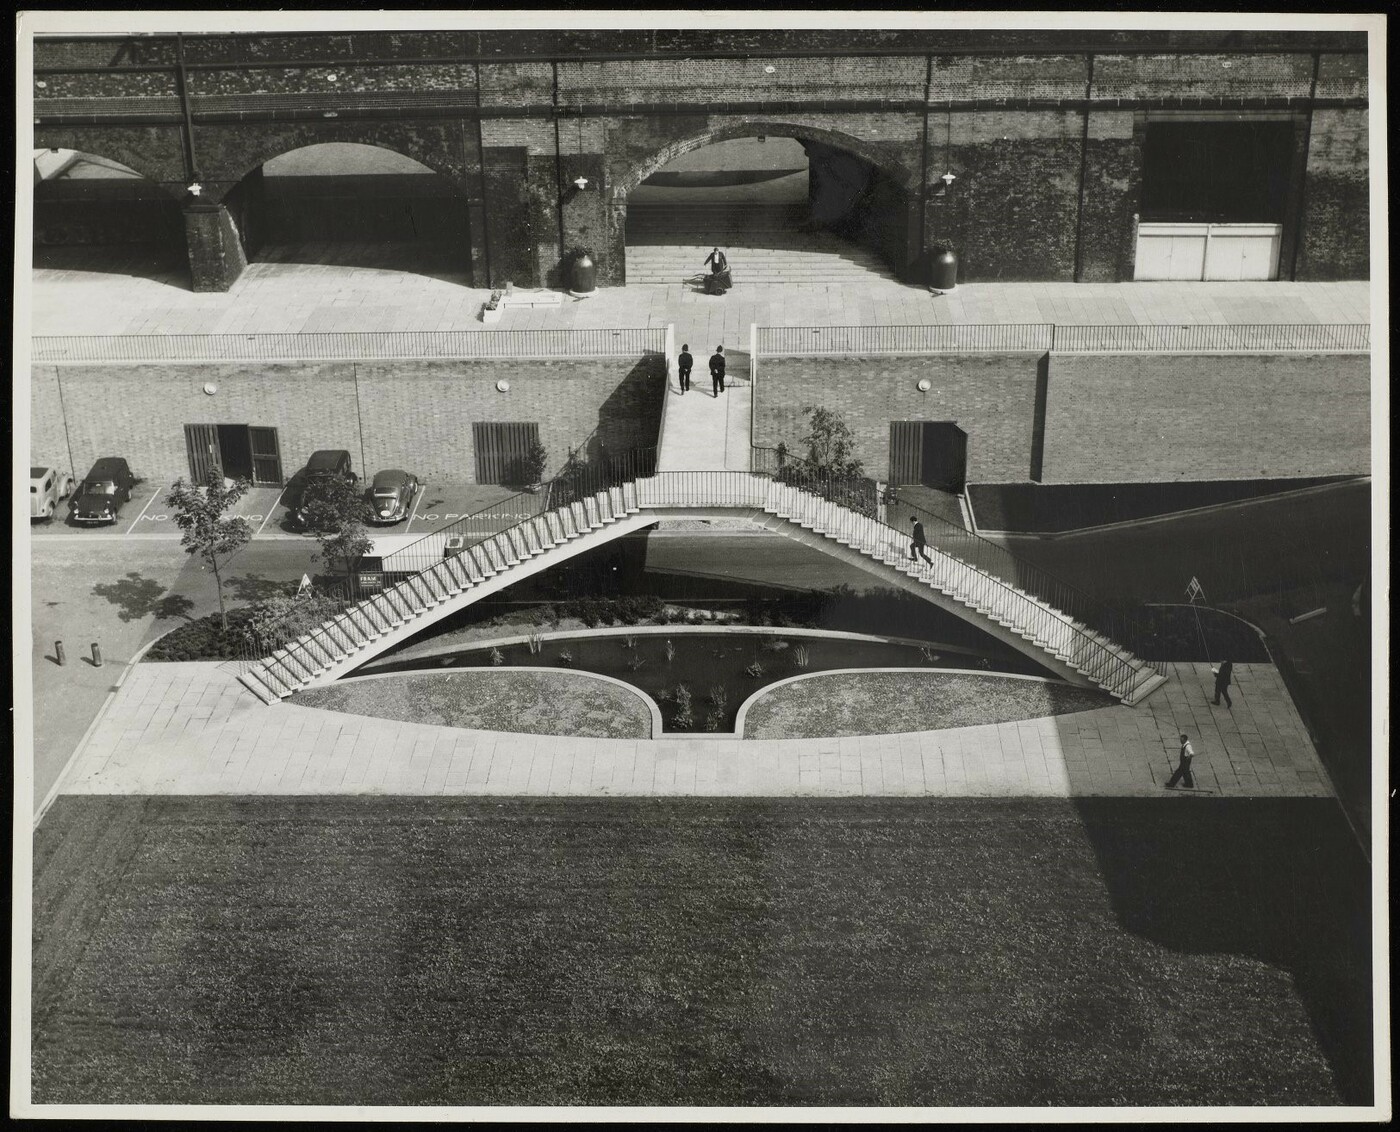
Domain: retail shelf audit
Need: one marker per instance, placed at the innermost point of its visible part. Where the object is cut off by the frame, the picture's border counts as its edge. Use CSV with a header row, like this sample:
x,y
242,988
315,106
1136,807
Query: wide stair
x,y
764,244
326,650
403,609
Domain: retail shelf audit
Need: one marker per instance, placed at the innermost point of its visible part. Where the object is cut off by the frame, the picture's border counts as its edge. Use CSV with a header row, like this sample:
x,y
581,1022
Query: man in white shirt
x,y
1183,766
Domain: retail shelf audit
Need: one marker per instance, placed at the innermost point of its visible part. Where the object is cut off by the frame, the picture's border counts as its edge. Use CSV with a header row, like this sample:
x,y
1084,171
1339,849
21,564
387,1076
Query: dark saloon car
x,y
99,498
327,464
391,496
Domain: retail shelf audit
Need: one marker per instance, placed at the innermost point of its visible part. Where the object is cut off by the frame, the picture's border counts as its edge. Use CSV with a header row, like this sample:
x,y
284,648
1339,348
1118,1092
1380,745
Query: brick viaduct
x,y
1043,130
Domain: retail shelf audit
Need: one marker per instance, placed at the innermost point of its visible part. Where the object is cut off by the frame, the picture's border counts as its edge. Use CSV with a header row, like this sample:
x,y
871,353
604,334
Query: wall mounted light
x,y
503,386
947,180
210,388
581,183
770,70
42,85
194,188
332,78
924,385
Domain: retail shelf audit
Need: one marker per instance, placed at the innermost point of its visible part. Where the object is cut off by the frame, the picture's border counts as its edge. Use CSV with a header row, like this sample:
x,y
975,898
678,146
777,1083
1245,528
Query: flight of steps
x,y
1108,664
764,243
328,647
404,608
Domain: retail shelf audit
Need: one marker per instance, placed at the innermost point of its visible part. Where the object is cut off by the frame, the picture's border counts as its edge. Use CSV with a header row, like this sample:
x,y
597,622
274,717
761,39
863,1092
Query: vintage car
x,y
391,496
329,463
99,498
47,488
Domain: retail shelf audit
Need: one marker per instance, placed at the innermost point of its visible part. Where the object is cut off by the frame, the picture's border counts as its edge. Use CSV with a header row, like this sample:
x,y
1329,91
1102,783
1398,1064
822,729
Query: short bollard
x,y
96,655
59,654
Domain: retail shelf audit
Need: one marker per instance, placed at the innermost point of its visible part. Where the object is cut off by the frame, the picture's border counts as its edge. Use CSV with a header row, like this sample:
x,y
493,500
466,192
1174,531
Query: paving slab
x,y
191,729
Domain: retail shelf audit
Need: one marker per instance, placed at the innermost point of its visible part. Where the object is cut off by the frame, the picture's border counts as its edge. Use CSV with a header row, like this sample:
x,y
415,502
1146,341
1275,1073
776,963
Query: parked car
x,y
47,488
329,463
104,489
391,495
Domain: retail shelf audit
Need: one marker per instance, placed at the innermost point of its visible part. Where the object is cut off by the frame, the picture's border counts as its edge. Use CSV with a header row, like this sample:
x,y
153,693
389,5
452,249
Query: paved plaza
x,y
300,298
192,729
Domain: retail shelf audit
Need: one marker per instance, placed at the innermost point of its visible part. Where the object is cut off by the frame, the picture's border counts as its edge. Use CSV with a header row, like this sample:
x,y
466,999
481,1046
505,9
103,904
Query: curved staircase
x,y
454,581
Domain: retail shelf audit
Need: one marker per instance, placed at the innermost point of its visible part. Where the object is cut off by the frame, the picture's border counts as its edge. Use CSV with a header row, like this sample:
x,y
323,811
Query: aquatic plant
x,y
755,670
801,657
565,656
718,696
497,657
670,650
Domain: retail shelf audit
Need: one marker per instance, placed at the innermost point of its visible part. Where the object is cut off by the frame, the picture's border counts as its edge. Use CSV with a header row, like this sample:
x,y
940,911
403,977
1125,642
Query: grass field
x,y
941,952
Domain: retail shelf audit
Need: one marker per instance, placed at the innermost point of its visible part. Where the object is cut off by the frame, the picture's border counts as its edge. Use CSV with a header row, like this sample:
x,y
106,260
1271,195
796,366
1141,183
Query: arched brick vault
x,y
622,185
243,151
159,159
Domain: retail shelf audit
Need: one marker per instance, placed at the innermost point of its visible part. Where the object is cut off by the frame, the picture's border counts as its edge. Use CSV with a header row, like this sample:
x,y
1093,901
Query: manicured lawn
x,y
538,703
928,952
880,703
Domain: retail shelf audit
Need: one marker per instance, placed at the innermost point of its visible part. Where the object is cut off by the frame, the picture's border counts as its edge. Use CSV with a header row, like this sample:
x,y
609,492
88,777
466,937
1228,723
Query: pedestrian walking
x,y
1182,773
683,364
719,279
1223,676
717,370
917,541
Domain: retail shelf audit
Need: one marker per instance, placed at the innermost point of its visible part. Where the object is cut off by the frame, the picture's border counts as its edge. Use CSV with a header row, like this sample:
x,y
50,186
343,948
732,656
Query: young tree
x,y
329,503
830,442
346,546
210,534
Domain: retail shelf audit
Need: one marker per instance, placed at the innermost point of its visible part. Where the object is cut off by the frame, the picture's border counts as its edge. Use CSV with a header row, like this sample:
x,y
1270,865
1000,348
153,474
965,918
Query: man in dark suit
x,y
917,541
683,365
1223,675
717,370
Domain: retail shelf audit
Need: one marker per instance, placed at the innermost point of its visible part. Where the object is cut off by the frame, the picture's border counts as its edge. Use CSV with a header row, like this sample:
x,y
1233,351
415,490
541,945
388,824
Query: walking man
x,y
683,364
1223,675
717,370
1182,773
917,541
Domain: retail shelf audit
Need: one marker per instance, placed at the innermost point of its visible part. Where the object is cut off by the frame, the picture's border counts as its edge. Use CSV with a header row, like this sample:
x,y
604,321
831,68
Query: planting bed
x,y
719,671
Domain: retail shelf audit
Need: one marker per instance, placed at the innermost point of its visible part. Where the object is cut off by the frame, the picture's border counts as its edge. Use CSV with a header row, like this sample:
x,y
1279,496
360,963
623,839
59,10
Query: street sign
x,y
1194,591
305,585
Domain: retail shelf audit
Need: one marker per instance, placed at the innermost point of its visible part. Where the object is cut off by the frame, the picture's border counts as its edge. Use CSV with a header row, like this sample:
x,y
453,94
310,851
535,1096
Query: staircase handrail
x,y
1109,619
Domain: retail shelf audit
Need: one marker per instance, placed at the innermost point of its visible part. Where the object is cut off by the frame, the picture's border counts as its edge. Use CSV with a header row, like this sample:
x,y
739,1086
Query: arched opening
x,y
351,204
785,209
92,213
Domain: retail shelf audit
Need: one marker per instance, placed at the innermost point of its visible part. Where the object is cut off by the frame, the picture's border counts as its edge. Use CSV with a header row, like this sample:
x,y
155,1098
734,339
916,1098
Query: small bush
x,y
755,670
206,639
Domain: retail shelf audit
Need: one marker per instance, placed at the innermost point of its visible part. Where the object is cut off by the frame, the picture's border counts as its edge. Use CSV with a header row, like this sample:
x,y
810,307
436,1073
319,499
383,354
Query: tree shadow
x,y
137,597
254,587
1279,881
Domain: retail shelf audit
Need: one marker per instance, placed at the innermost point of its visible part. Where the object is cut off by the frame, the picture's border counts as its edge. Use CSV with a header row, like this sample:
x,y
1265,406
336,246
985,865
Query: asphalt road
x,y
121,594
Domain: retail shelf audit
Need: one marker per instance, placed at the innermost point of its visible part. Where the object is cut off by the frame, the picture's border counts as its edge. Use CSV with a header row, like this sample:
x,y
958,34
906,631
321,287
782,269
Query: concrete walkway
x,y
82,299
192,729
705,431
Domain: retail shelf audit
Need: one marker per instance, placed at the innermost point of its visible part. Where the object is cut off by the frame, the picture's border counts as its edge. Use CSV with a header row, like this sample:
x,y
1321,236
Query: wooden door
x,y
267,455
500,448
202,442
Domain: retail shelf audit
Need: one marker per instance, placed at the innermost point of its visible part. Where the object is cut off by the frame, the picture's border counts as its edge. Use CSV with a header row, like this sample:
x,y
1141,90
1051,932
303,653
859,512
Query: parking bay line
x,y
143,511
413,511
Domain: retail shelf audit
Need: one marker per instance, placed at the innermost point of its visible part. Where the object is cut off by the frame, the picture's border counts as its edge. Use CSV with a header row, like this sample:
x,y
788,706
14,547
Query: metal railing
x,y
982,554
1046,337
950,338
976,572
393,581
1205,338
445,344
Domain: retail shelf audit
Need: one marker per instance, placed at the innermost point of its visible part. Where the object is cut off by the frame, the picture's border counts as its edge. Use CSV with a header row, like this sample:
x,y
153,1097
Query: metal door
x,y
906,452
202,441
501,448
267,455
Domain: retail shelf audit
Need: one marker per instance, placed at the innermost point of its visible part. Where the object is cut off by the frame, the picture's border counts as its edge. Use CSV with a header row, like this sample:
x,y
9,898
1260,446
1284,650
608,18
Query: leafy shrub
x,y
205,639
755,670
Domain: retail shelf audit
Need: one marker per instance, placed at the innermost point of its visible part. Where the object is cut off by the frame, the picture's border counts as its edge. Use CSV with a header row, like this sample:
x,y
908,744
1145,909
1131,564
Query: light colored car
x,y
47,487
391,495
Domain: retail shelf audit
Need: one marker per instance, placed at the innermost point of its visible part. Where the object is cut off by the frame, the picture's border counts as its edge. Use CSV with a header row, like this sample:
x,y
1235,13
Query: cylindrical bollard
x,y
59,654
96,655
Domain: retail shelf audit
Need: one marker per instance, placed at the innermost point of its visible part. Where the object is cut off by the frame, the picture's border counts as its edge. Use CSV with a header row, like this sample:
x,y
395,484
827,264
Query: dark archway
x,y
353,204
798,203
94,213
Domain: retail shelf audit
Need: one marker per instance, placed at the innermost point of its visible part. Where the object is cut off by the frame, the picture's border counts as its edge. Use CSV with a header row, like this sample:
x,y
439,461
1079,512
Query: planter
x,y
585,274
490,313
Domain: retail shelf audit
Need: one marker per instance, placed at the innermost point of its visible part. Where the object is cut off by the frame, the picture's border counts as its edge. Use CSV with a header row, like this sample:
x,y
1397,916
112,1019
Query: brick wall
x,y
1141,419
414,415
990,396
1336,210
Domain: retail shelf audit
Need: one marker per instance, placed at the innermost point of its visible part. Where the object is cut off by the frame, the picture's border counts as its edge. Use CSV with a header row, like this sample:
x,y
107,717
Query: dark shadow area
x,y
136,597
254,587
1036,508
159,264
1279,881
